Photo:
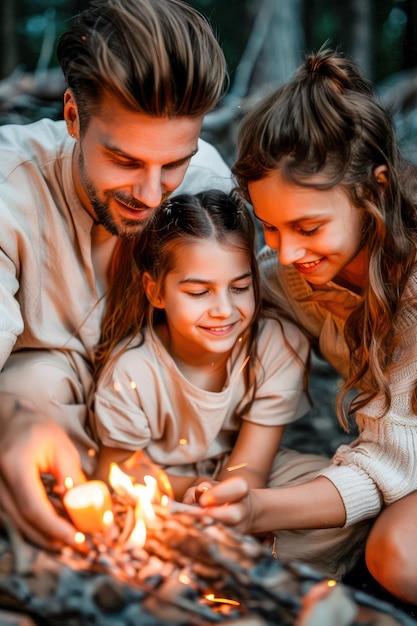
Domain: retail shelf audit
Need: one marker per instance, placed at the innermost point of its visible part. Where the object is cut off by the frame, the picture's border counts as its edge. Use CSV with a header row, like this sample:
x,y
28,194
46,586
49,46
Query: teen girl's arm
x,y
378,468
314,504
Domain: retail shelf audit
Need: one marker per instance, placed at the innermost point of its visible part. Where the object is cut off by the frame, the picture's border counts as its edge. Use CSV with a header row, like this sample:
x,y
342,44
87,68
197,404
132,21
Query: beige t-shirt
x,y
144,401
53,258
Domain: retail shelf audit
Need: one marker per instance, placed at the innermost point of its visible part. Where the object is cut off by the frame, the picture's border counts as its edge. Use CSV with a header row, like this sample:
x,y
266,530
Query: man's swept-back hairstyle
x,y
158,57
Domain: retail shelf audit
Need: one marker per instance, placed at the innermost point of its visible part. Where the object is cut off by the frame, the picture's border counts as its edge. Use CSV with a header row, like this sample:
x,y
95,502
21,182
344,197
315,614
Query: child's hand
x,y
193,494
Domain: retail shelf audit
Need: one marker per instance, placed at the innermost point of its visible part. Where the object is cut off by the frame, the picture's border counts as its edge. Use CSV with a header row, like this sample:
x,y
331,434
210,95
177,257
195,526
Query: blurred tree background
x,y
264,41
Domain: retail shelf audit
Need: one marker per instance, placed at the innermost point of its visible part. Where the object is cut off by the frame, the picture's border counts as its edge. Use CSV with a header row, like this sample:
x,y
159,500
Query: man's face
x,y
127,163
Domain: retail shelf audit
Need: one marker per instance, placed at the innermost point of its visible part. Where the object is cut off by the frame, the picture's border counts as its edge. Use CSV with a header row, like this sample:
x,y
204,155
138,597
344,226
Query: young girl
x,y
205,381
319,163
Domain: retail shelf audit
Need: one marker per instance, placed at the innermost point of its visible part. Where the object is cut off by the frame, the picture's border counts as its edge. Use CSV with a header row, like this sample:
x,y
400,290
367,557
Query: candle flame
x,y
121,482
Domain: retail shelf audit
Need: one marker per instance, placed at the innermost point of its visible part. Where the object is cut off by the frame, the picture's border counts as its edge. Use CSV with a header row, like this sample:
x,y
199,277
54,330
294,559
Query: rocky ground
x,y
319,431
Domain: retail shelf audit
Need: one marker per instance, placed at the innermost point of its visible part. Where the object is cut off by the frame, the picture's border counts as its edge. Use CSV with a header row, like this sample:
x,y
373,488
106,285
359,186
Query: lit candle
x,y
89,506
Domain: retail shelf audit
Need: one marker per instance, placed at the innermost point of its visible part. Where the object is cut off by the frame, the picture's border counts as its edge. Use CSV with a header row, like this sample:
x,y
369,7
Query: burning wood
x,y
185,572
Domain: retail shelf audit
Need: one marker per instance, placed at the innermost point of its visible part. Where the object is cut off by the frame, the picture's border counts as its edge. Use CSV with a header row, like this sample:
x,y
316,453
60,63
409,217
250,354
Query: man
x,y
141,74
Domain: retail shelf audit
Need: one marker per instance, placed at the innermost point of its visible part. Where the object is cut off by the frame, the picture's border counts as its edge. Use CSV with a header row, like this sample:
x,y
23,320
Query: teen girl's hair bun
x,y
333,66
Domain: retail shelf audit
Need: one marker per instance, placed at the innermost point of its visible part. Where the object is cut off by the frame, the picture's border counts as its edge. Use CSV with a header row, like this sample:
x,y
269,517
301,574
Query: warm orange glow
x,y
331,583
88,506
143,496
121,482
68,482
138,535
184,579
232,468
212,598
79,538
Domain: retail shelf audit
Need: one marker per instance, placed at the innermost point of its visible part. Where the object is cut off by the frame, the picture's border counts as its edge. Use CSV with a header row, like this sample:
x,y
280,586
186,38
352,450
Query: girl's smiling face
x,y
318,231
208,298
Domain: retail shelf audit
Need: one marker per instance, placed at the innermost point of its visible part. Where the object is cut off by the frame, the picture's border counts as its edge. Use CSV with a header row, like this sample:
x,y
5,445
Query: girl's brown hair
x,y
184,219
328,122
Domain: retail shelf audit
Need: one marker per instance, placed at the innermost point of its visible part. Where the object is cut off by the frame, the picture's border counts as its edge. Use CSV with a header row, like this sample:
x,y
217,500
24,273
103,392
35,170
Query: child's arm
x,y
253,454
251,459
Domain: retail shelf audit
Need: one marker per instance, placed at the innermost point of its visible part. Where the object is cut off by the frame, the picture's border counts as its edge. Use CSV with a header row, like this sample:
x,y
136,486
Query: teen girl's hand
x,y
31,445
193,493
228,502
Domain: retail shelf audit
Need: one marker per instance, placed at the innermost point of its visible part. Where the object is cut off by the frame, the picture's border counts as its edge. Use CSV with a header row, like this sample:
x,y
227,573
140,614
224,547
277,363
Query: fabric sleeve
x,y
207,170
11,322
380,466
280,398
118,418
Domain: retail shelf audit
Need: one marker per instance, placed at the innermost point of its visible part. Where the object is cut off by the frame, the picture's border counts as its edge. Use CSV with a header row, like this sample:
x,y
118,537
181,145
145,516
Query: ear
x,y
149,286
71,114
381,175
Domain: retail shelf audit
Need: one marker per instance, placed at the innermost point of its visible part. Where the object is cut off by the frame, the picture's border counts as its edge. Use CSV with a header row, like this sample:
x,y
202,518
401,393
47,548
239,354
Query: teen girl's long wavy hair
x,y
184,219
327,122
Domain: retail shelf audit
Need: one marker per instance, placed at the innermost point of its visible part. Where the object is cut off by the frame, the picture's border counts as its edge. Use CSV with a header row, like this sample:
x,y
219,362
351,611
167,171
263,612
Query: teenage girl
x,y
319,163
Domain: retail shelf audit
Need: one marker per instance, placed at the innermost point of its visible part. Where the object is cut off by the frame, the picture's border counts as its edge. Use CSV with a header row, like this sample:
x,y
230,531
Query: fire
x,y
89,505
137,537
121,482
143,496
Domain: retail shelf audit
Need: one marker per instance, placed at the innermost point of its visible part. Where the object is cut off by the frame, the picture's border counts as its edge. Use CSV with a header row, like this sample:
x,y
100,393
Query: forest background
x,y
264,41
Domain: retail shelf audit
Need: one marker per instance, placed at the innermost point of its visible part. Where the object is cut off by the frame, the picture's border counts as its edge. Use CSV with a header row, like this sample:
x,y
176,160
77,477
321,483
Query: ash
x,y
169,580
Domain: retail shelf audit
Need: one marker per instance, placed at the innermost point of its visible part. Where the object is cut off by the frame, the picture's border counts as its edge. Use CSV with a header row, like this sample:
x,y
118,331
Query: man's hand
x,y
30,445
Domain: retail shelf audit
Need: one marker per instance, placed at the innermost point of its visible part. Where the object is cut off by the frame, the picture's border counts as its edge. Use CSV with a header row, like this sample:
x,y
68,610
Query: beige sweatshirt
x,y
380,466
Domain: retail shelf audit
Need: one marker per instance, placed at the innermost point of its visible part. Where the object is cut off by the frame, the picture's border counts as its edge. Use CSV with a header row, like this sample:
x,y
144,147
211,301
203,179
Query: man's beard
x,y
127,228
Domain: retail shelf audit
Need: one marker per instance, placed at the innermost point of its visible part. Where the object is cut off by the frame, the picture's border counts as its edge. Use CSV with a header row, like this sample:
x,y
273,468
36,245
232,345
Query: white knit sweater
x,y
380,466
